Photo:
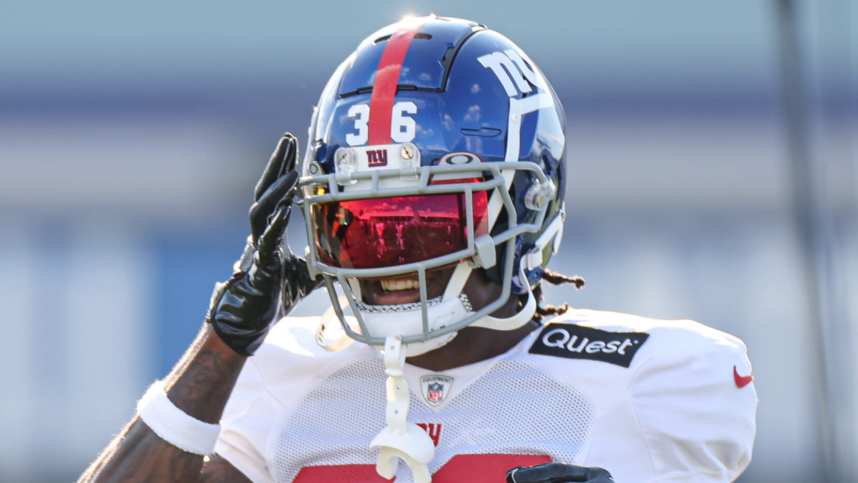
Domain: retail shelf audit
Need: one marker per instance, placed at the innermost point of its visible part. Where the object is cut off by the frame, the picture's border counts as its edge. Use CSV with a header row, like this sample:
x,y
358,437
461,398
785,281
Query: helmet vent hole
x,y
418,35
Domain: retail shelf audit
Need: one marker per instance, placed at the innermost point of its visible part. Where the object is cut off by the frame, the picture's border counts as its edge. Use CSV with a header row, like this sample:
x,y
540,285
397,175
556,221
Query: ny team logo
x,y
517,78
376,158
435,388
513,72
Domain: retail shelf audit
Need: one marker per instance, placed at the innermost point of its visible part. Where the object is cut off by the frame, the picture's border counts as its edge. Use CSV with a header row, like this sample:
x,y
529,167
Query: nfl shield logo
x,y
435,388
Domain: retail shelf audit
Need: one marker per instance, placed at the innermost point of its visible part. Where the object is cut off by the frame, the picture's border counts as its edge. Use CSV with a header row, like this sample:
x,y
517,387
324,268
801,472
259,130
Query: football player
x,y
433,193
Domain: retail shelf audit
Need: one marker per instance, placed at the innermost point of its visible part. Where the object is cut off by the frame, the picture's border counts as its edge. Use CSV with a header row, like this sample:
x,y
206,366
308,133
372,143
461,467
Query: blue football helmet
x,y
437,143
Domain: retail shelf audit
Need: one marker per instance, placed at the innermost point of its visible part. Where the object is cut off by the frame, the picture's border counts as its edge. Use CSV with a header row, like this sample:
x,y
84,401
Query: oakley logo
x,y
514,74
458,159
577,342
376,158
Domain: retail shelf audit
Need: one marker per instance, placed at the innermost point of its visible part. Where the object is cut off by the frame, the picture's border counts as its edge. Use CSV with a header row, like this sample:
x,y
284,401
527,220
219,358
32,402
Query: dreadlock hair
x,y
554,278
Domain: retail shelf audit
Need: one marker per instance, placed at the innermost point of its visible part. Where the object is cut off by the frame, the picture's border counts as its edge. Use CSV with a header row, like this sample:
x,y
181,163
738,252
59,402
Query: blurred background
x,y
713,176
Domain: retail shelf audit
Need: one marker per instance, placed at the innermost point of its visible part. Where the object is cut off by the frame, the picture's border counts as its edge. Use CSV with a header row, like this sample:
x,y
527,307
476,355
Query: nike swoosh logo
x,y
741,381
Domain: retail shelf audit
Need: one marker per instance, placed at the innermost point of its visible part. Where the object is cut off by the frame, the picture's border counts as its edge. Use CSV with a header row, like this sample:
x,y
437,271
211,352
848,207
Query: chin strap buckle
x,y
400,440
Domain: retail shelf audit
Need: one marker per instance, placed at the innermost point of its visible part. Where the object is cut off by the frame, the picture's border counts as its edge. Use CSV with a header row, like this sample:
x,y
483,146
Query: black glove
x,y
242,309
558,473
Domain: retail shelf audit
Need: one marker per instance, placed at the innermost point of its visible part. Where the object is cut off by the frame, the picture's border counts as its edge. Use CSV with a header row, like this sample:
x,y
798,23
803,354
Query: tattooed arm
x,y
200,385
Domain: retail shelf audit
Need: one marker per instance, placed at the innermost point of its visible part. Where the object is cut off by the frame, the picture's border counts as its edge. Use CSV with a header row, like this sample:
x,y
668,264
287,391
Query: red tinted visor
x,y
397,230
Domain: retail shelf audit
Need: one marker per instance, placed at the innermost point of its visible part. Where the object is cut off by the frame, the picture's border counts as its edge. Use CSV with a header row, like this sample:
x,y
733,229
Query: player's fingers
x,y
600,475
278,193
285,149
266,248
290,159
551,473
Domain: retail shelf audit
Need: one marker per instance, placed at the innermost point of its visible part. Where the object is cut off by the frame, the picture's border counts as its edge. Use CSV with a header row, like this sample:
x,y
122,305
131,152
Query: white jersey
x,y
648,400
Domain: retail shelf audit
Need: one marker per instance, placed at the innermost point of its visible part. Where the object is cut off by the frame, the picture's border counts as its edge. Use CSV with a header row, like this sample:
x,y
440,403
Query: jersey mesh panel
x,y
512,409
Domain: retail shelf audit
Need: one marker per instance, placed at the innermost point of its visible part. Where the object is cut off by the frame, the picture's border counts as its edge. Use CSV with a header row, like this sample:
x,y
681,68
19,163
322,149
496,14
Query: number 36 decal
x,y
402,127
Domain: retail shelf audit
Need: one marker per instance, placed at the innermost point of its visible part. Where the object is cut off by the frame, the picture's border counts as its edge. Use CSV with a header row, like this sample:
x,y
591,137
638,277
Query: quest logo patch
x,y
578,342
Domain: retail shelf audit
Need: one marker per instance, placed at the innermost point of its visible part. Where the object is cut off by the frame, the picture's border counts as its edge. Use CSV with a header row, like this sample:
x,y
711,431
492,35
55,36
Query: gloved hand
x,y
243,308
558,473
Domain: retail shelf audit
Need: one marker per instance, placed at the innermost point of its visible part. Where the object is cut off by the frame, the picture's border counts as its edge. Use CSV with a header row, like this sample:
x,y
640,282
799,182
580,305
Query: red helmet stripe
x,y
386,81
